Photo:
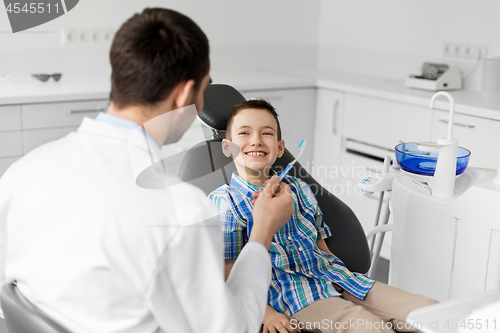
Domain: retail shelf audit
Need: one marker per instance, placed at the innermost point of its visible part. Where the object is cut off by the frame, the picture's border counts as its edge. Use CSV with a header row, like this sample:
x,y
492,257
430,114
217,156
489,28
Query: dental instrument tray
x,y
435,77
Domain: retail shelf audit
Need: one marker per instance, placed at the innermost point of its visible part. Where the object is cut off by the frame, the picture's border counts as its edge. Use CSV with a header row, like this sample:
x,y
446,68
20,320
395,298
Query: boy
x,y
303,266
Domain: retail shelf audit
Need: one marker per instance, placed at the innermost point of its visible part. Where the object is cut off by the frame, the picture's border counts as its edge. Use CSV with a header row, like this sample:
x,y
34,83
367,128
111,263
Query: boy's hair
x,y
252,104
154,51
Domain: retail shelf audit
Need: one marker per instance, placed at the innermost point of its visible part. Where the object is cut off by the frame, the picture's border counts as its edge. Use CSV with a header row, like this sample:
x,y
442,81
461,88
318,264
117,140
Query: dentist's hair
x,y
154,51
259,104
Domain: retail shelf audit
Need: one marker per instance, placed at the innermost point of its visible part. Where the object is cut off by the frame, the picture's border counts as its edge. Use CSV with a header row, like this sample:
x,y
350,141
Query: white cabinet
x,y
11,147
385,123
25,127
479,135
327,138
371,129
295,108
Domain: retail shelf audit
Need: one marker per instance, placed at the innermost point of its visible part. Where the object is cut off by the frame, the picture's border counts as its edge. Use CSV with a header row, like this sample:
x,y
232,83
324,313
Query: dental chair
x,y
205,166
21,316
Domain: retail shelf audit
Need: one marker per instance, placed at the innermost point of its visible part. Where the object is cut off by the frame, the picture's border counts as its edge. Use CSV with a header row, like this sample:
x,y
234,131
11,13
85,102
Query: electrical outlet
x,y
68,36
96,36
83,36
107,35
86,36
470,51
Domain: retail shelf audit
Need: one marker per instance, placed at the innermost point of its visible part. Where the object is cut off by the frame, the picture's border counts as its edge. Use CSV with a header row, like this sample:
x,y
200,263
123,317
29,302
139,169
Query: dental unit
x,y
445,220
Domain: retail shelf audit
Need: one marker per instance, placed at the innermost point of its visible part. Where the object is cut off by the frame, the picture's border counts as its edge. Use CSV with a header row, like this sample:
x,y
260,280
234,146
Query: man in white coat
x,y
99,253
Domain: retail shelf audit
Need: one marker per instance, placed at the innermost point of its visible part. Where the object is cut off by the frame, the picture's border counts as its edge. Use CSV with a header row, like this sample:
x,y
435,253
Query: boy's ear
x,y
281,148
230,149
225,147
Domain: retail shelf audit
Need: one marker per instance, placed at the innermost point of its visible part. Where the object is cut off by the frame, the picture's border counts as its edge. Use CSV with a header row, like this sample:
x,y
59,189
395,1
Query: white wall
x,y
229,25
390,37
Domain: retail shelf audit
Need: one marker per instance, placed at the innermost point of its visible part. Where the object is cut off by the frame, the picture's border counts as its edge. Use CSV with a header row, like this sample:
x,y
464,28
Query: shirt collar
x,y
121,122
107,118
246,188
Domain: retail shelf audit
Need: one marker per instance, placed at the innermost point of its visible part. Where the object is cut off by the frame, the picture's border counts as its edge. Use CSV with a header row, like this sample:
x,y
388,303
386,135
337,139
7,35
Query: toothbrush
x,y
302,145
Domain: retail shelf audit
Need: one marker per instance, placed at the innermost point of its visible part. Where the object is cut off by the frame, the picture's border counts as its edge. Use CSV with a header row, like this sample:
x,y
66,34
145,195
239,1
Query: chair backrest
x,y
21,316
206,167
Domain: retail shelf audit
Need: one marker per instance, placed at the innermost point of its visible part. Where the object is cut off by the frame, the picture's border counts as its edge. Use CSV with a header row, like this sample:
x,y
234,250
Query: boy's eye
x,y
241,133
268,133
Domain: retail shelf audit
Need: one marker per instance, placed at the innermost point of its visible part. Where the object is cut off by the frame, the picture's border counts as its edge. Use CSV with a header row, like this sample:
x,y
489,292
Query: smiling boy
x,y
308,281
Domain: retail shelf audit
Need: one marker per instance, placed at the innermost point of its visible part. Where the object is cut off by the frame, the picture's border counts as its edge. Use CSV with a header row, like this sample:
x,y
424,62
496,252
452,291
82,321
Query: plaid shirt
x,y
302,273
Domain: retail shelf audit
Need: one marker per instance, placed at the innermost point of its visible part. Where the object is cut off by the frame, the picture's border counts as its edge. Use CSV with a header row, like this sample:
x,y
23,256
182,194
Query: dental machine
x,y
446,220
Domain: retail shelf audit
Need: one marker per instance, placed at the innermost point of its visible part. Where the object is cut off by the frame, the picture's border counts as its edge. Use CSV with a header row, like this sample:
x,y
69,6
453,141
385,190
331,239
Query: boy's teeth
x,y
256,154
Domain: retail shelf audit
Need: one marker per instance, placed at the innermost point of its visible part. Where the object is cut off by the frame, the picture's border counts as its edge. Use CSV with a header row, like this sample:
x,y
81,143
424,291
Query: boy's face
x,y
254,134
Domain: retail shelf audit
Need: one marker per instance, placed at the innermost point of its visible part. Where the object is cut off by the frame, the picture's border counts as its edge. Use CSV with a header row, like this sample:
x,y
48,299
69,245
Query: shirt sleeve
x,y
323,231
233,228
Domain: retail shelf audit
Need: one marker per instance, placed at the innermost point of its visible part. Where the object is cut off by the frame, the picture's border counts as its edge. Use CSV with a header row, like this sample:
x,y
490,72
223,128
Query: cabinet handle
x,y
335,112
85,111
458,124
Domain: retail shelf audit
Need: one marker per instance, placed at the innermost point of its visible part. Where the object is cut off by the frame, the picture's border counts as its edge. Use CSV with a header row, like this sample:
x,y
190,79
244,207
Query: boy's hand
x,y
271,212
275,322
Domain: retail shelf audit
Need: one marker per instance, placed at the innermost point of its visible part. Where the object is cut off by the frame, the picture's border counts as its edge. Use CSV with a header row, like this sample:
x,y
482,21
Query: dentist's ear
x,y
281,148
230,149
183,92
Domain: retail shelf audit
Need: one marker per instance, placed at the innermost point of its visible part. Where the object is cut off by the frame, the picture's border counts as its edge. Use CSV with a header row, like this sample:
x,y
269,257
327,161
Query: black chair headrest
x,y
217,106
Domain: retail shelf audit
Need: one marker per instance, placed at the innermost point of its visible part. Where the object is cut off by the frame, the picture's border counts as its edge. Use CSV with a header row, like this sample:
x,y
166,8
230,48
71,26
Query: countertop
x,y
467,102
22,91
28,90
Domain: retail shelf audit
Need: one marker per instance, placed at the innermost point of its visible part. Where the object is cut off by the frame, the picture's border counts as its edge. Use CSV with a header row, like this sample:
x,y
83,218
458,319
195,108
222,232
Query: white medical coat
x,y
98,253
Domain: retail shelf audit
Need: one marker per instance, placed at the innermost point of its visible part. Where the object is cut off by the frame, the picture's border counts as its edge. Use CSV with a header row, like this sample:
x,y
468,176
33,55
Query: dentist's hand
x,y
276,190
271,212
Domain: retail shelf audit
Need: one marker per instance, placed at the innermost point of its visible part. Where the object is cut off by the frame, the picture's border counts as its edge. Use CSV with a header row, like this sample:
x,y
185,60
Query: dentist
x,y
97,252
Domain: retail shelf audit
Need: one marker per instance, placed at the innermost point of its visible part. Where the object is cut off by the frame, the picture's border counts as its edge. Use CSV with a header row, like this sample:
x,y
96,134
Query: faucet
x,y
443,181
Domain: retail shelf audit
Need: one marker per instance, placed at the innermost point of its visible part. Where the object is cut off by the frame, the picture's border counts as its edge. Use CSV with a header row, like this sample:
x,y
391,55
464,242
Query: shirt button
x,y
289,238
301,249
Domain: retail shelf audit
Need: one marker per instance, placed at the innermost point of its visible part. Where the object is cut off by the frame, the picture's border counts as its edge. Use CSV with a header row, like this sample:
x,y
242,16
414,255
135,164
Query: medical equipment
x,y
477,314
446,229
435,77
302,146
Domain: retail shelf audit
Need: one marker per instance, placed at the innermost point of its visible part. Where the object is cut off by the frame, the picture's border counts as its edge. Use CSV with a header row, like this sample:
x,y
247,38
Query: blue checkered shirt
x,y
302,273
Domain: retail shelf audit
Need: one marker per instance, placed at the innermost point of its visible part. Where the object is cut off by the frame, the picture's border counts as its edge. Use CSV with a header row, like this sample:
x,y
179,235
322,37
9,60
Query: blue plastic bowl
x,y
413,160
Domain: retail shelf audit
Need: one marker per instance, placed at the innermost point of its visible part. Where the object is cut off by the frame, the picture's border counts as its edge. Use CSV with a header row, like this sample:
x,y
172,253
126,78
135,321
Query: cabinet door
x,y
10,117
480,135
385,123
327,137
10,134
45,115
296,109
10,144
